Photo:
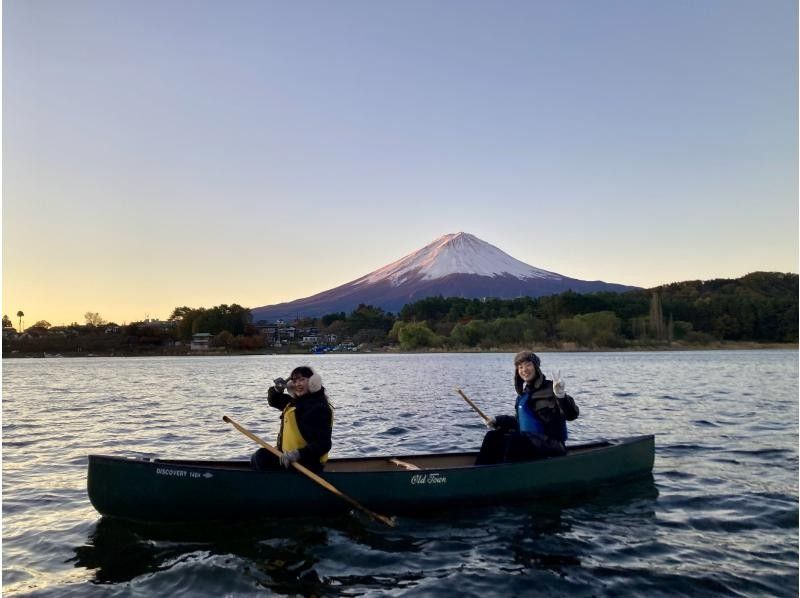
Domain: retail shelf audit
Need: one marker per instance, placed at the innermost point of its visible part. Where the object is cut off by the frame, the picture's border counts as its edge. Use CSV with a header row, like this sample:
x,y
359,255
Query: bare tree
x,y
93,319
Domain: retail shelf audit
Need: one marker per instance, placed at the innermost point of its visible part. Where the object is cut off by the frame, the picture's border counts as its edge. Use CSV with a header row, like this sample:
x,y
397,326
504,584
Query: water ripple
x,y
718,517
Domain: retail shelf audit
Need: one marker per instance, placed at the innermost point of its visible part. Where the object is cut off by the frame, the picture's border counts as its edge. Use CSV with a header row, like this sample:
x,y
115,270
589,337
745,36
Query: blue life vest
x,y
528,422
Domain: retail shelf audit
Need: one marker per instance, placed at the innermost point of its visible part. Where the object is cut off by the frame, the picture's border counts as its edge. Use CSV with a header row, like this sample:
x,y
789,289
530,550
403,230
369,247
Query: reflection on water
x,y
283,556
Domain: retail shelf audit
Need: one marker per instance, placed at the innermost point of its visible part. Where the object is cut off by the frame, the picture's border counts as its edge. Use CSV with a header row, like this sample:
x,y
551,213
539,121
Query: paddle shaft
x,y
310,474
473,405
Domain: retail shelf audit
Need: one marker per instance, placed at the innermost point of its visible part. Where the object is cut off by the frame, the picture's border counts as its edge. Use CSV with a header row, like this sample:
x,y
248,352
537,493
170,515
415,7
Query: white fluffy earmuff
x,y
315,382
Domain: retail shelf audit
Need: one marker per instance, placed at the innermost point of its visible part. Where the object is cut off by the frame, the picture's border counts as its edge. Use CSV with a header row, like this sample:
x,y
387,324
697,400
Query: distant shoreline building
x,y
201,341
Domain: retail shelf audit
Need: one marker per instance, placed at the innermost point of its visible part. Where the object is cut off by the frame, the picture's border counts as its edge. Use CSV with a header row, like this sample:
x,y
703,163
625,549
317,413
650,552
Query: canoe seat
x,y
403,464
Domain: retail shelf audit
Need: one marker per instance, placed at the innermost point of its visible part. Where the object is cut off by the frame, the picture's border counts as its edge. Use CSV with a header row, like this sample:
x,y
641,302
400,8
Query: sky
x,y
161,154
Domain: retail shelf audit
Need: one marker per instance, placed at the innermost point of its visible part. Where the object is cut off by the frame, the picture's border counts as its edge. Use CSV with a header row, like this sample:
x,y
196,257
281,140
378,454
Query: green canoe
x,y
168,490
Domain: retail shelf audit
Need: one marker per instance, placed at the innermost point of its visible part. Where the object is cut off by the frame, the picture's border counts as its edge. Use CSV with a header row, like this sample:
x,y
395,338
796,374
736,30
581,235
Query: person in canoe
x,y
306,422
538,428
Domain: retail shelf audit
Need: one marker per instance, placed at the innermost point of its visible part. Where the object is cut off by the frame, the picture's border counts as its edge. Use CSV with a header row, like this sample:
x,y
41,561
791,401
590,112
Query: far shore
x,y
559,348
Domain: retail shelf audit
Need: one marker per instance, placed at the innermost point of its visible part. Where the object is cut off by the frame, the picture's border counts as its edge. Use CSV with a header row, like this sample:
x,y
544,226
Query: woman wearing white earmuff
x,y
306,422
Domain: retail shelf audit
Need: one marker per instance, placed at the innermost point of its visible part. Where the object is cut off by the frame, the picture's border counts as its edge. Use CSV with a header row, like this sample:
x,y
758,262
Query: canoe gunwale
x,y
389,462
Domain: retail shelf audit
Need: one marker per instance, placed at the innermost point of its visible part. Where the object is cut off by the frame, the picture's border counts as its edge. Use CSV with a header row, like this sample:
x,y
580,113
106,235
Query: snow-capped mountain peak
x,y
456,253
454,265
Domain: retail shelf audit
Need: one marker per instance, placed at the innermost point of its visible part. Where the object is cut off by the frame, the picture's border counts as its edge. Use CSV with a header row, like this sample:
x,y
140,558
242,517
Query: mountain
x,y
454,265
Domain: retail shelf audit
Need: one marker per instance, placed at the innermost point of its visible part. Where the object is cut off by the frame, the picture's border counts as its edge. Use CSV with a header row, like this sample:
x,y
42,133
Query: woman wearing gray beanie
x,y
538,427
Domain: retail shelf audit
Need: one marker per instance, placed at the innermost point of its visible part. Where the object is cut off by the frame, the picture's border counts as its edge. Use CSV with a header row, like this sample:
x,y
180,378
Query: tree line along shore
x,y
756,310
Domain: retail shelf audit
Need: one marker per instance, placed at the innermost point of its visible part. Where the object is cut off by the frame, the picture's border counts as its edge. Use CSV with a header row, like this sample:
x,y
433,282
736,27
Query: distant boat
x,y
169,490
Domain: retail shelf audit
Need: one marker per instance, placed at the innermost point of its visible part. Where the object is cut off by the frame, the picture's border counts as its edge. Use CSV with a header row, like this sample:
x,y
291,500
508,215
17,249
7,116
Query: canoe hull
x,y
176,491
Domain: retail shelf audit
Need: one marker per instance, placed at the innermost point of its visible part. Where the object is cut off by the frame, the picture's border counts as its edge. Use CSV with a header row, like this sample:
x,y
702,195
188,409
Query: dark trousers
x,y
262,459
509,447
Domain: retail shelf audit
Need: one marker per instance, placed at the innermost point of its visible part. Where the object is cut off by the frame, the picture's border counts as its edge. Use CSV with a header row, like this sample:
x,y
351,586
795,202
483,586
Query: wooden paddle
x,y
473,405
390,521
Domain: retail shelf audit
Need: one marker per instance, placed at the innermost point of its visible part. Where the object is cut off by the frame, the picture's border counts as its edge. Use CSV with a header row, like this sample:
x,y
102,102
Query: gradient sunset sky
x,y
159,154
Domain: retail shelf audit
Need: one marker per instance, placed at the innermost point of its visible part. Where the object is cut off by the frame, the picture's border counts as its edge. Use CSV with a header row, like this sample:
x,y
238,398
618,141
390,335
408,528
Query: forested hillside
x,y
759,307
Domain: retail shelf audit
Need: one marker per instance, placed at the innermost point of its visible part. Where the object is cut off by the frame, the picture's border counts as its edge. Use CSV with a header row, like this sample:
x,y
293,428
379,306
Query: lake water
x,y
718,517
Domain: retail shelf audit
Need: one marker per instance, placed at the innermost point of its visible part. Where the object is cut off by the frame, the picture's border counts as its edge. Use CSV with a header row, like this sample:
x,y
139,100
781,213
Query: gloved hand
x,y
491,423
289,457
558,385
280,384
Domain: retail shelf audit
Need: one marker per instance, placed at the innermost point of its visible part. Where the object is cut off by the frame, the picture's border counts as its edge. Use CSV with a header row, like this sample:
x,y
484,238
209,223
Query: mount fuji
x,y
454,265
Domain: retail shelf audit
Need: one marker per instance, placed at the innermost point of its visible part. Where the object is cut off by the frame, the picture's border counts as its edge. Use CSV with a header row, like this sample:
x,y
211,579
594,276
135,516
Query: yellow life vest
x,y
291,438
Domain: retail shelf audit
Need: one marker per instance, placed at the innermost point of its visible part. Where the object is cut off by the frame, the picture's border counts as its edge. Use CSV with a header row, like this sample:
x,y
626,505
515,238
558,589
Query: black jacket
x,y
547,408
314,420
